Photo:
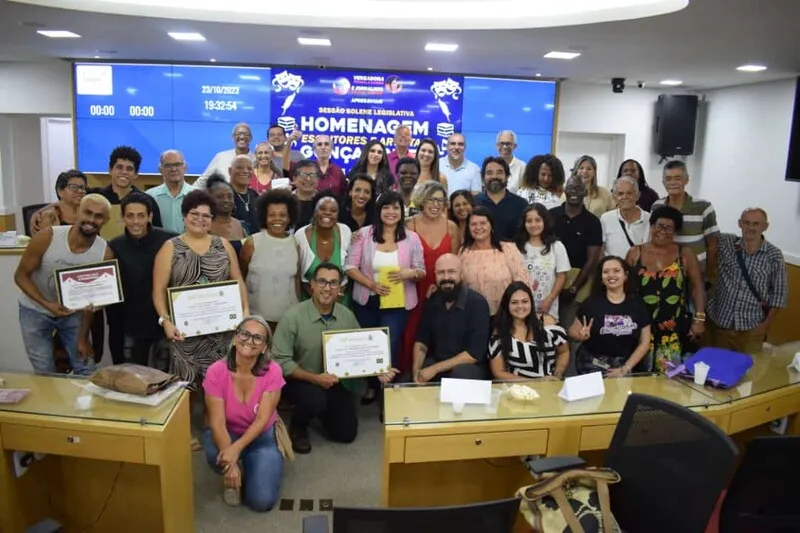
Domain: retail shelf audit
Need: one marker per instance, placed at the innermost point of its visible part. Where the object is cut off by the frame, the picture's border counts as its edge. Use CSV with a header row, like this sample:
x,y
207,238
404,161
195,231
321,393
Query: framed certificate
x,y
203,309
356,353
96,284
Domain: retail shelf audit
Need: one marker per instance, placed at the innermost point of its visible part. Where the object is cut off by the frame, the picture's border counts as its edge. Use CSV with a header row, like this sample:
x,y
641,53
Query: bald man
x,y
751,287
242,137
452,340
40,312
244,198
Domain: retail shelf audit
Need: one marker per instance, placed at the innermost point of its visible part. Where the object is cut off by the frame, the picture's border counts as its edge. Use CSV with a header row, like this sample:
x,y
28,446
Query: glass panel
x,y
419,404
769,372
56,395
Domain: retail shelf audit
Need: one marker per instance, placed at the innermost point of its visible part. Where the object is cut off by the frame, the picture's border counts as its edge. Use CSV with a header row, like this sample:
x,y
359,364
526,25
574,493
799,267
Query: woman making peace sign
x,y
612,324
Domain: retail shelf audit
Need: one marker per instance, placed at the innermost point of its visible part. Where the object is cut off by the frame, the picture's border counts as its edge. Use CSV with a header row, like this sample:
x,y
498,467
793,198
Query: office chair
x,y
27,214
488,517
762,498
673,462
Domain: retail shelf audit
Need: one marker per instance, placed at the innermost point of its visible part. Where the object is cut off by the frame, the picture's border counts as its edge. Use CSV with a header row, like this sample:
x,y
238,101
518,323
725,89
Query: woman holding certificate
x,y
242,393
386,262
194,259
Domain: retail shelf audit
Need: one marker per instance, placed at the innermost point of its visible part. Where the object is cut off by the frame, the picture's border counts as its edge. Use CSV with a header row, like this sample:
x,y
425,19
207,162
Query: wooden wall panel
x,y
787,324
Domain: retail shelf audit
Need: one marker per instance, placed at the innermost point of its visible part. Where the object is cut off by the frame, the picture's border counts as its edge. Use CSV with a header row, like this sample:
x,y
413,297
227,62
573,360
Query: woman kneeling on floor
x,y
242,393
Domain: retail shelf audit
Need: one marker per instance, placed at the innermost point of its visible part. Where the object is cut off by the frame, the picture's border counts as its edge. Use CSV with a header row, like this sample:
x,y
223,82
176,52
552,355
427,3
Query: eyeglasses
x,y
435,201
506,144
669,230
256,338
173,166
324,283
205,216
309,175
76,188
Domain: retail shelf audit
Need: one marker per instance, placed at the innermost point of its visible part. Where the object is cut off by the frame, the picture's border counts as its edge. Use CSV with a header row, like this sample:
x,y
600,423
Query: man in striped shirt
x,y
700,229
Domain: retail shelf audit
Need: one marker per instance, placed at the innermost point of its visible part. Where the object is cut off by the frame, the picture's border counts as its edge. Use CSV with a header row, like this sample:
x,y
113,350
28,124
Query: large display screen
x,y
194,108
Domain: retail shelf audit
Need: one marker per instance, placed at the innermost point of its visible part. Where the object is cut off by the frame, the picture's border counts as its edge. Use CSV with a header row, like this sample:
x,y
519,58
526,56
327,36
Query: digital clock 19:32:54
x,y
220,105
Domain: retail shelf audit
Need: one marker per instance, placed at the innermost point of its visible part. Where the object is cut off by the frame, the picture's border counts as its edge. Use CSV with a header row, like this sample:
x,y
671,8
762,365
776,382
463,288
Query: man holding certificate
x,y
298,348
42,308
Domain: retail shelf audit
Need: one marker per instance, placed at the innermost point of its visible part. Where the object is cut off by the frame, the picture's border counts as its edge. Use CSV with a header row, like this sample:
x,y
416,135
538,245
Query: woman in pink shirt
x,y
241,395
488,266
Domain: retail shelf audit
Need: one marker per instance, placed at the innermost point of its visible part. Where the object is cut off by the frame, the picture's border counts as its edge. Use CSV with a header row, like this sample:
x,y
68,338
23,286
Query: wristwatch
x,y
162,319
572,289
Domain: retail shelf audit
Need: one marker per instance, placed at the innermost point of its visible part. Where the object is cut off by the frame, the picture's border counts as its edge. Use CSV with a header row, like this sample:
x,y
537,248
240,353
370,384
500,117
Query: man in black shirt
x,y
305,179
506,207
136,318
453,337
244,198
582,235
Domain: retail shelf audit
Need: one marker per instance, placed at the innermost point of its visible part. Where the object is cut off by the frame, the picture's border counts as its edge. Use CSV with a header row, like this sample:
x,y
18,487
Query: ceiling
x,y
701,44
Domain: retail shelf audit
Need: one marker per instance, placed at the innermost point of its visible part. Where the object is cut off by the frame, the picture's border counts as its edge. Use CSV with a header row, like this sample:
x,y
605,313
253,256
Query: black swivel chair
x,y
673,463
489,517
27,214
762,498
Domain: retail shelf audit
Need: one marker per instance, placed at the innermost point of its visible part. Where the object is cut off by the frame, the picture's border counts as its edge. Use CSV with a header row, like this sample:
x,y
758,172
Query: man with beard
x,y
242,137
506,207
276,135
462,174
453,336
582,235
40,313
407,172
506,144
244,198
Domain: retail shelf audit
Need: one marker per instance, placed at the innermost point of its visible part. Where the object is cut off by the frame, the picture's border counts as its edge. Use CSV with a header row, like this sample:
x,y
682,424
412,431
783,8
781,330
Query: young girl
x,y
545,258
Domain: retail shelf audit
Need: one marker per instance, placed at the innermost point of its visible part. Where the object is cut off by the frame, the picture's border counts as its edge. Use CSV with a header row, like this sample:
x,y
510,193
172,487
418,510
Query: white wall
x,y
36,88
743,163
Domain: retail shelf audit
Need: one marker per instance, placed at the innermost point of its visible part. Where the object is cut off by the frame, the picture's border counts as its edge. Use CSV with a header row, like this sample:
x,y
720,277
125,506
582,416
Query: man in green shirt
x,y
297,347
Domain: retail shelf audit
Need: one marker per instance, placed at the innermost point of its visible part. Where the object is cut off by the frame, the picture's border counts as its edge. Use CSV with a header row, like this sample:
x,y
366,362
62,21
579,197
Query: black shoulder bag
x,y
749,281
625,231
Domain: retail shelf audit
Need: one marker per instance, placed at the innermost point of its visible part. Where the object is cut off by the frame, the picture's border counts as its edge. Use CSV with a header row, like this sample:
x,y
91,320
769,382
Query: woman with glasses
x,y
194,258
70,188
438,236
668,278
241,396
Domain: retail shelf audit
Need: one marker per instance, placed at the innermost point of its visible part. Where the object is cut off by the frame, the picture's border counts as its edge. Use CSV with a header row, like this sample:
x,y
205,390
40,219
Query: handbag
x,y
132,379
750,284
283,440
575,500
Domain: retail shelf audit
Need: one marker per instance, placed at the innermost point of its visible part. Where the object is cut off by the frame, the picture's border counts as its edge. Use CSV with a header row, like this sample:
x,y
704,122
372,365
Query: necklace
x,y
243,198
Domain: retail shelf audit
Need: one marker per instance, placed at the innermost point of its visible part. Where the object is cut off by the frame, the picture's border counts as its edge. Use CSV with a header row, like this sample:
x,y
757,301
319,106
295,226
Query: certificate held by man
x,y
356,353
95,284
204,309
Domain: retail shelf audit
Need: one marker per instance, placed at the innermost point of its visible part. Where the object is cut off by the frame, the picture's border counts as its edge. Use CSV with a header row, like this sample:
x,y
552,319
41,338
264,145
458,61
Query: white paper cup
x,y
492,406
701,373
458,408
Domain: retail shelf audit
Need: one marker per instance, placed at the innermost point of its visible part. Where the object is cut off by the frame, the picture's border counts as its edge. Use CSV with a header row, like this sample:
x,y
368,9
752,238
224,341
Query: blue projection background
x,y
194,108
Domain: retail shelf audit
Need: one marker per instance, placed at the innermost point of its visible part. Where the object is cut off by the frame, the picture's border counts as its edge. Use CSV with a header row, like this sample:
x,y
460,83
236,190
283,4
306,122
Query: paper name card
x,y
581,387
464,391
280,183
795,364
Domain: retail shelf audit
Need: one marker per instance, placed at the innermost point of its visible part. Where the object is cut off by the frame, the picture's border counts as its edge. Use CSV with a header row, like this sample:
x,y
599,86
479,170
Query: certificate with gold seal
x,y
95,284
356,353
204,309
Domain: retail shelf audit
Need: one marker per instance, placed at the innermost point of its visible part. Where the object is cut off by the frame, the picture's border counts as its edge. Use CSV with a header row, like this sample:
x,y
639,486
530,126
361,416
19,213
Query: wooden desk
x,y
434,457
114,467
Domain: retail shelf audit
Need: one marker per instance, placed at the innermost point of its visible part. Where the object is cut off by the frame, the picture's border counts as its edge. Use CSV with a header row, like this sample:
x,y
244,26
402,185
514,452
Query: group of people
x,y
500,268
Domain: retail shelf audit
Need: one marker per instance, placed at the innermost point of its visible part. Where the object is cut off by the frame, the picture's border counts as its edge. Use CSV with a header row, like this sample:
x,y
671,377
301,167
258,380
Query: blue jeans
x,y
262,468
37,335
372,316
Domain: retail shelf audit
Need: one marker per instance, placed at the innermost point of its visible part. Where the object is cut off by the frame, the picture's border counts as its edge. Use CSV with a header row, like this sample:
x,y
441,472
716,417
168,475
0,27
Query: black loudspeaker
x,y
793,164
676,118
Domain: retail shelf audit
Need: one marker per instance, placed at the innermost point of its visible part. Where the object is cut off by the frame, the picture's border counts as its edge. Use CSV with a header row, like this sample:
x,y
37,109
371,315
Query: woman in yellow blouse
x,y
598,199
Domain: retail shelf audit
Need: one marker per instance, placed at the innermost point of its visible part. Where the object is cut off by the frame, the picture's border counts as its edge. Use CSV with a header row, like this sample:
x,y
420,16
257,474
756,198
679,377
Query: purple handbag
x,y
727,367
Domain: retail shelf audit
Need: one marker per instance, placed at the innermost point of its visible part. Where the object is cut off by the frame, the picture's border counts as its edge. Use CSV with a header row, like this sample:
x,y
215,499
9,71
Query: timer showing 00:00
x,y
147,111
101,110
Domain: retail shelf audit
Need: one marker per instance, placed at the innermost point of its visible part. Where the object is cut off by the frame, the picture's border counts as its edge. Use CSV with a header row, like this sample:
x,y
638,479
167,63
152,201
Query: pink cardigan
x,y
360,256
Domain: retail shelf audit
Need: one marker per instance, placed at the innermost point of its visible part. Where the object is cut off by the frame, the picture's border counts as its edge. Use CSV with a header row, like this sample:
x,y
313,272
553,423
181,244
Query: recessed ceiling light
x,y
314,41
441,47
430,68
671,82
561,55
538,74
186,36
97,57
213,60
751,68
58,34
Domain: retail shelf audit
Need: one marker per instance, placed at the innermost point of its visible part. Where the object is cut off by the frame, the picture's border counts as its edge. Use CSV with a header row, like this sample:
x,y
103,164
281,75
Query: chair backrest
x,y
673,463
762,498
489,517
27,214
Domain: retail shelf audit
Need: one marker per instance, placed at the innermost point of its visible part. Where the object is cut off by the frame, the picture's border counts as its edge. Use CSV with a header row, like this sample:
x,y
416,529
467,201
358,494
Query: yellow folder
x,y
397,298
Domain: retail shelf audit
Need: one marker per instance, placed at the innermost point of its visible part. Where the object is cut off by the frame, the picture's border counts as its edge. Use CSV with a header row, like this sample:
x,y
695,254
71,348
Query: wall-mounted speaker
x,y
676,120
793,163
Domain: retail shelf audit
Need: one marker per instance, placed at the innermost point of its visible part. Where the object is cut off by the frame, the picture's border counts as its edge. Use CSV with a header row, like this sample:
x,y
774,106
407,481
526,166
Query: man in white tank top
x,y
40,313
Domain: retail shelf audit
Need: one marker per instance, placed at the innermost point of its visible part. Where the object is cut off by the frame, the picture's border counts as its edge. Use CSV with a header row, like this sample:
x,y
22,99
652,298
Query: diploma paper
x,y
396,299
96,284
204,309
356,353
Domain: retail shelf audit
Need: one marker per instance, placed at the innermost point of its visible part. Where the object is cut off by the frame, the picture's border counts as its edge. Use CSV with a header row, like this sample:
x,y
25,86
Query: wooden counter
x,y
114,467
433,456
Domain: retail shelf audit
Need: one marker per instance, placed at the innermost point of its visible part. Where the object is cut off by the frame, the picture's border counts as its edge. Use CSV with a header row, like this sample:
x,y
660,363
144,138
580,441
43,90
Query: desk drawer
x,y
475,446
597,437
762,413
75,443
